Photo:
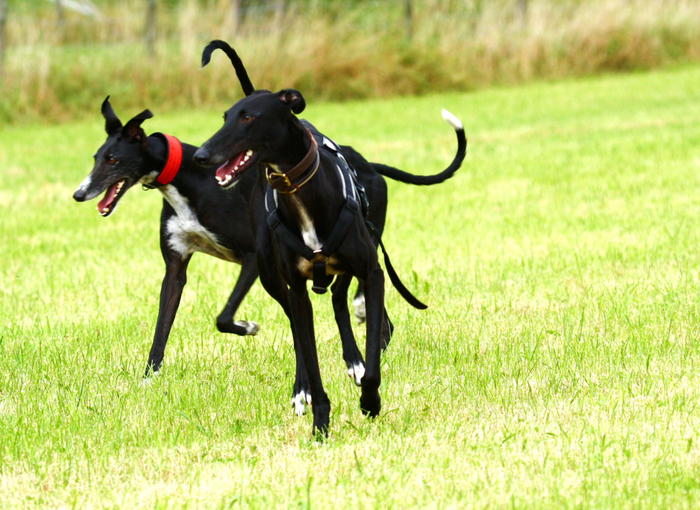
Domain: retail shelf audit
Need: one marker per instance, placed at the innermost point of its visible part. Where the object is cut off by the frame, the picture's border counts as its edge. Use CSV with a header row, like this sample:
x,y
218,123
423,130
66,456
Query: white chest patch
x,y
308,232
186,234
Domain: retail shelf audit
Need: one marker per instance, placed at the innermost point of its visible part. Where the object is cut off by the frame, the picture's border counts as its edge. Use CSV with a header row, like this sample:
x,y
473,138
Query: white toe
x,y
251,328
356,373
299,402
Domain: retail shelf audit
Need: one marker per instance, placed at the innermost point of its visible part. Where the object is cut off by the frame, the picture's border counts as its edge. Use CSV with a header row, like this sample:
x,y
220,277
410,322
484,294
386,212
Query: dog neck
x,y
292,180
165,154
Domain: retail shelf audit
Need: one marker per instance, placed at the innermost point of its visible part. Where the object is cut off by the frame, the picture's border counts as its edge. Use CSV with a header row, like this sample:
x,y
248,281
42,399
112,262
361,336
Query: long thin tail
x,y
400,175
241,73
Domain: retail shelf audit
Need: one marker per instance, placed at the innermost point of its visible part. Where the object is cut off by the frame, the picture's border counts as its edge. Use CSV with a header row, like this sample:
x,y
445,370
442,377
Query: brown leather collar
x,y
286,182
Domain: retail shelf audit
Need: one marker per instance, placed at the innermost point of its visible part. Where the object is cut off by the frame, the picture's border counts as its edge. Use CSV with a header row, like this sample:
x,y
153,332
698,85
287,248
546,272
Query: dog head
x,y
256,130
120,162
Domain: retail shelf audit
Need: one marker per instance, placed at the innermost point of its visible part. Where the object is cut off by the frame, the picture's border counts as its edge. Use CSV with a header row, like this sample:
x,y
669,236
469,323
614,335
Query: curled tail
x,y
241,73
400,175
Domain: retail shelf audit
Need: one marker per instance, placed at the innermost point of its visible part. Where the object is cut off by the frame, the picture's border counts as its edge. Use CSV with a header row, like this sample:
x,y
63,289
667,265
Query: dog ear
x,y
133,128
293,99
112,122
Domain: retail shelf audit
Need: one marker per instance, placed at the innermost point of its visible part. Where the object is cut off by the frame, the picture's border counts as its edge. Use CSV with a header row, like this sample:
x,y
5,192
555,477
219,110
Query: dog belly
x,y
333,266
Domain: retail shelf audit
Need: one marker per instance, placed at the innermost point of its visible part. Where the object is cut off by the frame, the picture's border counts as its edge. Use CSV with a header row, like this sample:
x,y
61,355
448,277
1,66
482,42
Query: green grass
x,y
555,367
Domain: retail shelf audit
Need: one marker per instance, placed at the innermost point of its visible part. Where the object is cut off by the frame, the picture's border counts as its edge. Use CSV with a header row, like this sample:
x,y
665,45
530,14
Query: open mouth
x,y
229,172
111,198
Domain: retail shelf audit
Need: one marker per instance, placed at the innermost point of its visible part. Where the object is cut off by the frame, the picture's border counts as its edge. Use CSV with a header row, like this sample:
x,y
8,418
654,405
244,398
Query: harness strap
x,y
341,227
393,276
289,238
321,280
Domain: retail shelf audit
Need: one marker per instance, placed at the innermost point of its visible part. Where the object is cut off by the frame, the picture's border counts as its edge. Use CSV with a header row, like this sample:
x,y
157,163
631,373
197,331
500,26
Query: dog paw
x,y
370,404
147,380
251,328
356,372
360,311
241,328
300,401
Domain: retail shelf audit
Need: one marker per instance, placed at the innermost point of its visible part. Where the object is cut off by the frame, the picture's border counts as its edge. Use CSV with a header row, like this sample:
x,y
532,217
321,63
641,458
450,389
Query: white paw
x,y
360,311
251,327
356,373
300,401
147,381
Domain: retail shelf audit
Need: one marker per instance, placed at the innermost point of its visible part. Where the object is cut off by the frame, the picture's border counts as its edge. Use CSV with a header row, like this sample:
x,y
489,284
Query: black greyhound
x,y
188,221
375,188
308,225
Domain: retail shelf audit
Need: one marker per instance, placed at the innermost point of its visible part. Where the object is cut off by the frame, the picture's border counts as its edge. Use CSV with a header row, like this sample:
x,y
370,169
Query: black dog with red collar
x,y
187,224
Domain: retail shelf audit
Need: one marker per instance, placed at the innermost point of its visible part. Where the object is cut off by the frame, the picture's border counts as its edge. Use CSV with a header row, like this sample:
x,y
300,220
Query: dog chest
x,y
186,235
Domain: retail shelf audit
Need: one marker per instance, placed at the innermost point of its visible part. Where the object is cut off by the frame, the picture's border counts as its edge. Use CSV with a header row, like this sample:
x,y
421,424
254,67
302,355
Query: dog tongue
x,y
108,198
229,167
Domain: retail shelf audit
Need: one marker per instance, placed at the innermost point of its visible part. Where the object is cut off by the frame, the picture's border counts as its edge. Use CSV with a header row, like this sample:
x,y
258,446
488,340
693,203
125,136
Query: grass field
x,y
557,365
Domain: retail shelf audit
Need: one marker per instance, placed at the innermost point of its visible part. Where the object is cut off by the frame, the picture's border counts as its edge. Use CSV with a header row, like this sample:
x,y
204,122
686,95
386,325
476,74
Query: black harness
x,y
355,204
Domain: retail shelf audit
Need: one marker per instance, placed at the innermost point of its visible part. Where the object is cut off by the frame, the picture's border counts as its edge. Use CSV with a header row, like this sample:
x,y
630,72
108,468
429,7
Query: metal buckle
x,y
278,175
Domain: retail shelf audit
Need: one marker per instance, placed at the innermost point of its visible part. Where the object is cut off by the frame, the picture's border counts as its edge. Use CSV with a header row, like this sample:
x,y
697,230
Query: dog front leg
x,y
351,354
170,293
370,402
273,284
246,278
302,323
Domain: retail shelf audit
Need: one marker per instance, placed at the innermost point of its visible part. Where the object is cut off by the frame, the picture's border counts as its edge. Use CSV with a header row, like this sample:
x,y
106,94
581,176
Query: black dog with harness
x,y
309,204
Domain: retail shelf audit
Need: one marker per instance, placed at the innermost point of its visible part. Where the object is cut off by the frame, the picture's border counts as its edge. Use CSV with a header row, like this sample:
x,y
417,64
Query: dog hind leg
x,y
358,302
370,402
351,354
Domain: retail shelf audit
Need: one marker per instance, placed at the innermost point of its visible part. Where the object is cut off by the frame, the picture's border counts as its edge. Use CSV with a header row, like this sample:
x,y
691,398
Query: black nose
x,y
79,195
201,156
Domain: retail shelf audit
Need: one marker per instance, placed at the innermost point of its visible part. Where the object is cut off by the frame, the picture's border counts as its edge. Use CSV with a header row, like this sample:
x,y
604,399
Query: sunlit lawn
x,y
556,366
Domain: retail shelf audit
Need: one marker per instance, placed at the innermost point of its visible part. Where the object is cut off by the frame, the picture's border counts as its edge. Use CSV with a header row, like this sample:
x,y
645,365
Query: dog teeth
x,y
223,181
249,153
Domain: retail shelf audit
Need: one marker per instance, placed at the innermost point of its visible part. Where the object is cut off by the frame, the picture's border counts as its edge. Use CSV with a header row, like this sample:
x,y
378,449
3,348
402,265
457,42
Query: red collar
x,y
174,161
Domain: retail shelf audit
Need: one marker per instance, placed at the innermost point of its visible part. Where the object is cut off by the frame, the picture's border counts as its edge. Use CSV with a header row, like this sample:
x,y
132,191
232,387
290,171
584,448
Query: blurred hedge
x,y
61,67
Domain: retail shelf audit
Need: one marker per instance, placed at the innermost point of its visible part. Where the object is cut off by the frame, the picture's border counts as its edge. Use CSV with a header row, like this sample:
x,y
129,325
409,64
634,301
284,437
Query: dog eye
x,y
111,160
247,117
